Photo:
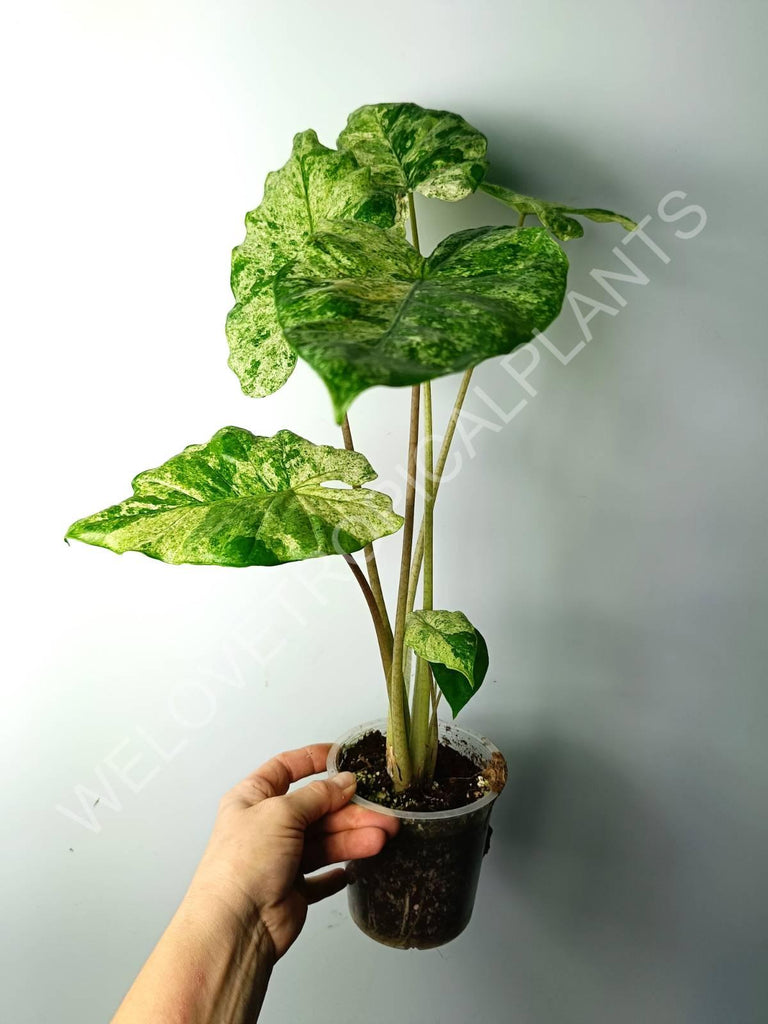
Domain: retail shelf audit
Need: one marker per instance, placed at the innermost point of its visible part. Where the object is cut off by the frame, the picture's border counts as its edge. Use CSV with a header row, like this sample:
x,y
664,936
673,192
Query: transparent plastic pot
x,y
418,893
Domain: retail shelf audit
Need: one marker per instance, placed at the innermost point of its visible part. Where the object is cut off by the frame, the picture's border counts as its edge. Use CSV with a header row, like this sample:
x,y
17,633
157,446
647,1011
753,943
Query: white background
x,y
610,541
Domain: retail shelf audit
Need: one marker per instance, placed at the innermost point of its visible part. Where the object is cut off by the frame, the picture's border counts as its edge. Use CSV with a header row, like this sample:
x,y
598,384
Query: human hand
x,y
266,839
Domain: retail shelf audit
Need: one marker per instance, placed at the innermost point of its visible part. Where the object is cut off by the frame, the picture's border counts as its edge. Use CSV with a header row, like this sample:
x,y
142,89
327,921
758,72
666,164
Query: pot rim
x,y
392,812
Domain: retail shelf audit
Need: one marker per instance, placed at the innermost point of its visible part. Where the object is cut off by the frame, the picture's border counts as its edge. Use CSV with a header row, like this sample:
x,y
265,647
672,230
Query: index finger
x,y
276,775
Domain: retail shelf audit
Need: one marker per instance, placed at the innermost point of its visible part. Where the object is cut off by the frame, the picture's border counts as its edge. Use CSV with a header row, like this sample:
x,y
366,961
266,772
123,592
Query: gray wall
x,y
610,540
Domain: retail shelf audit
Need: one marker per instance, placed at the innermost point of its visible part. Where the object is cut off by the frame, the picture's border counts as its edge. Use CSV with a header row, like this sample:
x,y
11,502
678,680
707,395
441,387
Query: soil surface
x,y
459,780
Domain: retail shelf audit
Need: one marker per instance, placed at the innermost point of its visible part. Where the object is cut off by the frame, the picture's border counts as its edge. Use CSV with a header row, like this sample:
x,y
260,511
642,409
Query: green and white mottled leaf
x,y
243,500
409,148
258,352
315,184
364,308
554,215
455,650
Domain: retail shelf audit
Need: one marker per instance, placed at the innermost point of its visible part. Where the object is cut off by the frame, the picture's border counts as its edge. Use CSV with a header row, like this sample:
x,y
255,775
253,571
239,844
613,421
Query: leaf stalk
x,y
398,752
383,639
370,555
437,476
423,725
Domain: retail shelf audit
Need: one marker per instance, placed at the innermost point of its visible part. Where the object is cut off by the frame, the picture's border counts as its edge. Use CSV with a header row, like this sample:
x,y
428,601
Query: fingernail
x,y
346,781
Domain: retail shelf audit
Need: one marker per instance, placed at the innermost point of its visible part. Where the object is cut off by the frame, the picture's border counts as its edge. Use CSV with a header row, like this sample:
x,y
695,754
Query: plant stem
x,y
442,458
429,500
398,750
423,725
414,225
398,753
384,640
370,555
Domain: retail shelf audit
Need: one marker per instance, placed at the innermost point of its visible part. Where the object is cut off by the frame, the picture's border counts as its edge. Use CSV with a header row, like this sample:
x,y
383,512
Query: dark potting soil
x,y
459,779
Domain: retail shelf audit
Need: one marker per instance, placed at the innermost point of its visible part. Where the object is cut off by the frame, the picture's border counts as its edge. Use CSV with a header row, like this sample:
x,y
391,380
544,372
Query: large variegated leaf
x,y
363,308
246,500
316,183
455,650
554,215
409,148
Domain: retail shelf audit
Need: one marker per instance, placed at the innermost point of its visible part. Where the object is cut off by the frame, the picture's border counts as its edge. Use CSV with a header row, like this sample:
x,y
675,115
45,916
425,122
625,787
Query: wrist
x,y
222,909
211,966
230,950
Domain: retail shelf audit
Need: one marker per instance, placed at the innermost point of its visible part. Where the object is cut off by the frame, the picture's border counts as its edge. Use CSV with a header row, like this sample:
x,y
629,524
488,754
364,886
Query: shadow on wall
x,y
652,900
584,845
531,158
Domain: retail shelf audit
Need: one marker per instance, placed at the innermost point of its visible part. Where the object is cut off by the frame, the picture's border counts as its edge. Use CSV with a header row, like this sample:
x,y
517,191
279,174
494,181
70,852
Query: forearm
x,y
209,967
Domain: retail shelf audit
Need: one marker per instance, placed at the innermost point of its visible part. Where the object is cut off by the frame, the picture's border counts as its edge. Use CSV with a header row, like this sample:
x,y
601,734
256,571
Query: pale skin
x,y
248,899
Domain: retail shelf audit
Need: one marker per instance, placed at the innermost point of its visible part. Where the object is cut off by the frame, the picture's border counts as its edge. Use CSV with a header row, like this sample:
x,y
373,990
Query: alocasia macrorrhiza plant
x,y
330,271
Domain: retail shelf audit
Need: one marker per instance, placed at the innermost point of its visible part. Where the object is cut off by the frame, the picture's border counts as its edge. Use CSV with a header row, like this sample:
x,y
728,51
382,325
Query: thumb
x,y
318,798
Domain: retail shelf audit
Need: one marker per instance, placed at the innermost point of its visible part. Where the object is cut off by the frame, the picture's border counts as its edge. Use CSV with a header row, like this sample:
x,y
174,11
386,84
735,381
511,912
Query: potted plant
x,y
330,271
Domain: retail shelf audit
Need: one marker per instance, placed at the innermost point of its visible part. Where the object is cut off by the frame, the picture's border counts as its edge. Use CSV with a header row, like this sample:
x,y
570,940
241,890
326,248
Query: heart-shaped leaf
x,y
455,650
409,148
315,184
246,500
364,308
553,215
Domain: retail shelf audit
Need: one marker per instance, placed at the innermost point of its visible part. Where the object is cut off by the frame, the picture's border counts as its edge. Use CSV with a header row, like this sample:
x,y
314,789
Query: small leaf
x,y
245,500
409,148
364,308
455,650
316,183
553,215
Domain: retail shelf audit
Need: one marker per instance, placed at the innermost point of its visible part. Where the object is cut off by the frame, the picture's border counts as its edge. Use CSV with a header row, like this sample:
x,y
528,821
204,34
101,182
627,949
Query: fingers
x,y
324,885
350,845
276,775
353,816
311,802
292,765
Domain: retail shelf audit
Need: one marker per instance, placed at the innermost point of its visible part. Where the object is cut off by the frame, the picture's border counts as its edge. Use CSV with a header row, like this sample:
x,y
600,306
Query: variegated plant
x,y
328,273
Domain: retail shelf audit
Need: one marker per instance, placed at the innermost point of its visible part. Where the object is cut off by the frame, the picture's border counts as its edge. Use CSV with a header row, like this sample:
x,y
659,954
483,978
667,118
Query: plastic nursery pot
x,y
418,893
